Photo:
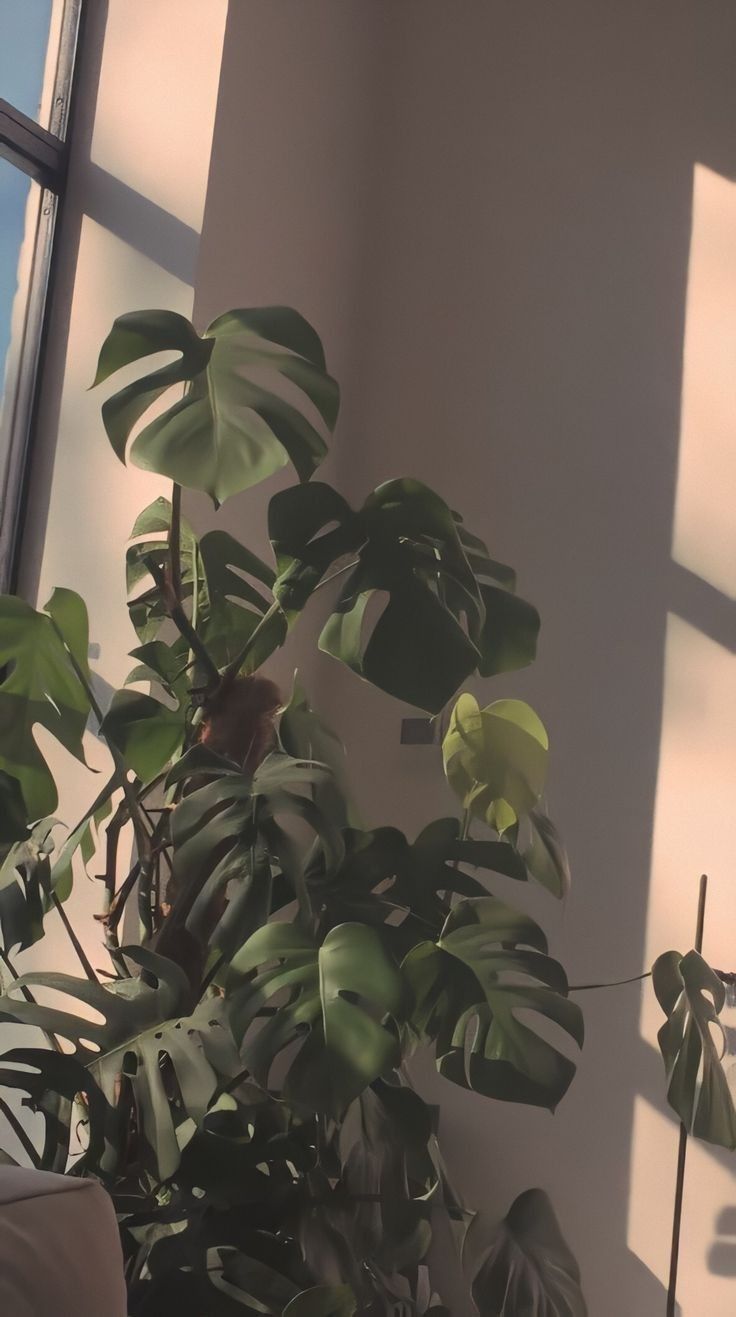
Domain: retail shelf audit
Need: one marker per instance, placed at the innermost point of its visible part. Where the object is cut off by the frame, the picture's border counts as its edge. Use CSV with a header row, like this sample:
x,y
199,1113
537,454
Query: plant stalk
x,y
682,1148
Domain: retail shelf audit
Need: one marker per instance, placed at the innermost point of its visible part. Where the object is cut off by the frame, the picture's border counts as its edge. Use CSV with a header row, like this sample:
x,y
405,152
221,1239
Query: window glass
x,y
15,213
24,39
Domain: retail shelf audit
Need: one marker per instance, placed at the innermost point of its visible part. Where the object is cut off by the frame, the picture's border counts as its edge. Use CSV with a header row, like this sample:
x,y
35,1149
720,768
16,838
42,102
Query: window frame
x,y
43,155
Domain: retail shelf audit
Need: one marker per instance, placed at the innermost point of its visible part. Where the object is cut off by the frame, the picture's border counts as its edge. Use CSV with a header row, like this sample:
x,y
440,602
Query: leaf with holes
x,y
346,997
155,1064
474,989
692,997
523,1267
235,424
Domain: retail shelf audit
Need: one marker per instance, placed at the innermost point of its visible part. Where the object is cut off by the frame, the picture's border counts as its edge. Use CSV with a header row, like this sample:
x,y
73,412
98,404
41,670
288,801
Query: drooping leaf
x,y
346,996
544,853
495,759
523,1267
231,429
692,997
474,990
146,732
39,686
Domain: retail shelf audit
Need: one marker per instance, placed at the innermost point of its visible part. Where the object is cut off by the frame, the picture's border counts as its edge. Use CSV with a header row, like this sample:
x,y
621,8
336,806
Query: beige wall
x,y
486,210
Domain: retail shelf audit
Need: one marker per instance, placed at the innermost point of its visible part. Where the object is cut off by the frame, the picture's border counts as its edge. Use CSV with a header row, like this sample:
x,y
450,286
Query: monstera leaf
x,y
410,616
142,1027
230,430
231,599
227,834
692,997
474,990
496,759
346,996
405,886
525,1268
40,686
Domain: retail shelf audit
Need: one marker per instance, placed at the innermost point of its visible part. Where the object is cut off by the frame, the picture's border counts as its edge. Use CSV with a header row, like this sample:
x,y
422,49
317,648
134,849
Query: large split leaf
x,y
692,997
39,686
524,1268
410,616
405,886
345,998
475,989
495,759
235,424
234,595
146,1044
231,831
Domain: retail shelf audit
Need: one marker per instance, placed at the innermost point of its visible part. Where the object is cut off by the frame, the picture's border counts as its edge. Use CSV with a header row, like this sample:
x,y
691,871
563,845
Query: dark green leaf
x,y
13,816
524,1268
474,989
692,997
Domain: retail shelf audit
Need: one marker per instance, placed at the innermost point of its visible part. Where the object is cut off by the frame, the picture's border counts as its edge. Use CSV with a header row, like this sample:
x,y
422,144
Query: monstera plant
x,y
238,1072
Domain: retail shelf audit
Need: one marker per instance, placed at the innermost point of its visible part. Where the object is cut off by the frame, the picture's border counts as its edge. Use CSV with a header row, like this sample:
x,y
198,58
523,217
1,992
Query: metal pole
x,y
682,1150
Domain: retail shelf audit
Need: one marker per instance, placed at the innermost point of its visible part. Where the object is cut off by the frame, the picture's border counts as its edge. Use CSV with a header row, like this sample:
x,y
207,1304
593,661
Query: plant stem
x,y
233,668
182,623
615,983
175,541
682,1147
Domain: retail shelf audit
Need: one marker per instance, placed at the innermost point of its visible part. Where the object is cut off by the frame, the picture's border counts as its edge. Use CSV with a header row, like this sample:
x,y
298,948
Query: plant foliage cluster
x,y
236,1075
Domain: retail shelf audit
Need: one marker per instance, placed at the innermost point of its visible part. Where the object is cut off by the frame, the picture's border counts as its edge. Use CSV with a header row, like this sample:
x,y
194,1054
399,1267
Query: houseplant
x,y
237,1076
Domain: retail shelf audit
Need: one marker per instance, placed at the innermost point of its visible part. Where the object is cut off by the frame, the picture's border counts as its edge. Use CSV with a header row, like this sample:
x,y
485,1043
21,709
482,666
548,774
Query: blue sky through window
x,y
24,35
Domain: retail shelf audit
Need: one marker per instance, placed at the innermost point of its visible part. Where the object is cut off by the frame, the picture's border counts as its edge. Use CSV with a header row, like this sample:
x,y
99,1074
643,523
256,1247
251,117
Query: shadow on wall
x,y
488,216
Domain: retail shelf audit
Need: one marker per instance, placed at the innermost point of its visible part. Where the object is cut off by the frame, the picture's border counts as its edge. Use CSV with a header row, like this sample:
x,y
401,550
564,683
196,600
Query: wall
x,y
486,209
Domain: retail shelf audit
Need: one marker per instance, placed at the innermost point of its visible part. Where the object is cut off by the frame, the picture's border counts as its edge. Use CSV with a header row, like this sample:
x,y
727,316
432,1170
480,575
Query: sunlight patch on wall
x,y
693,831
705,526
